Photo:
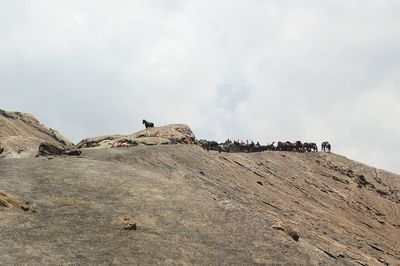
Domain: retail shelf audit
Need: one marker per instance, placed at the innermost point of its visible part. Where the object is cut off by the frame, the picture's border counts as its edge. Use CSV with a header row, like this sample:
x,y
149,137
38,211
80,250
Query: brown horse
x,y
211,145
286,146
310,146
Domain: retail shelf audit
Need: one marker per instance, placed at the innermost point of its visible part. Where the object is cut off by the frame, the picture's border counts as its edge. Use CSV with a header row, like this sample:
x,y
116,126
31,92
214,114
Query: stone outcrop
x,y
128,223
22,135
8,201
287,229
170,134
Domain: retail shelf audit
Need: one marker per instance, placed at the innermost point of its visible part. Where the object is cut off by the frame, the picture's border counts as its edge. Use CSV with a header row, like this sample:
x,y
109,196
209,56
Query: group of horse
x,y
237,146
241,146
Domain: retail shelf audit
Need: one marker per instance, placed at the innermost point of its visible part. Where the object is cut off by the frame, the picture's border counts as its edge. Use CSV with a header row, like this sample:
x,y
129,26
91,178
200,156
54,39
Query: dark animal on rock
x,y
234,147
280,146
323,146
309,147
211,145
298,146
270,147
240,147
147,124
286,146
246,147
259,148
326,146
314,146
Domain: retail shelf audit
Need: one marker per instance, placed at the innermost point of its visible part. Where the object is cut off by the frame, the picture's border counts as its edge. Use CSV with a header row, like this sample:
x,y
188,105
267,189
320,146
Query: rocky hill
x,y
182,205
122,203
23,136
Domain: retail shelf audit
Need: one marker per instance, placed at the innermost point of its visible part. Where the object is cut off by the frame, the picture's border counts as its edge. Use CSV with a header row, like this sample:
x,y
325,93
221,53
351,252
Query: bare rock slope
x,y
176,133
23,136
182,205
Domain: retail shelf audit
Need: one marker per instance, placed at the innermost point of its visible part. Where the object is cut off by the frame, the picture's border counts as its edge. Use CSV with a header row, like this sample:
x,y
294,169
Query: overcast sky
x,y
264,70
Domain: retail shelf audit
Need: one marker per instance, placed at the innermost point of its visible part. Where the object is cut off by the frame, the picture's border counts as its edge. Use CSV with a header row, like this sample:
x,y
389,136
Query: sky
x,y
263,70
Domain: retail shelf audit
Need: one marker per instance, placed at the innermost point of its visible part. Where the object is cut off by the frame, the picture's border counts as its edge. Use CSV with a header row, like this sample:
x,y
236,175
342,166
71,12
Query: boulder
x,y
9,201
128,223
48,149
179,133
23,136
170,134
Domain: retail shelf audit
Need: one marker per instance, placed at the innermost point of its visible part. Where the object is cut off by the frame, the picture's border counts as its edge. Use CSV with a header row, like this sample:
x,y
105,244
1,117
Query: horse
x,y
328,147
310,146
298,146
259,148
236,146
147,124
270,147
286,146
248,147
325,146
210,145
225,145
280,146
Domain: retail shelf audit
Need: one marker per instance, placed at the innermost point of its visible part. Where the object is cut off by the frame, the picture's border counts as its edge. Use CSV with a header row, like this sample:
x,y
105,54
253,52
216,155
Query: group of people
x,y
242,146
